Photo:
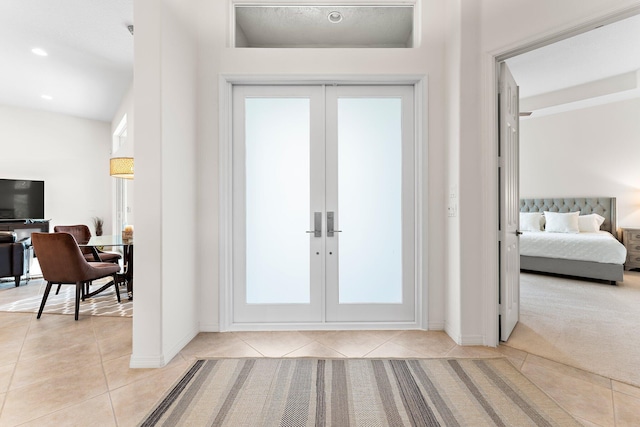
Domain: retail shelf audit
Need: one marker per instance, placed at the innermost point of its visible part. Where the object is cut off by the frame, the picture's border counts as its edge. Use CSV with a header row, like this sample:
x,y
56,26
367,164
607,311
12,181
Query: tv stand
x,y
24,227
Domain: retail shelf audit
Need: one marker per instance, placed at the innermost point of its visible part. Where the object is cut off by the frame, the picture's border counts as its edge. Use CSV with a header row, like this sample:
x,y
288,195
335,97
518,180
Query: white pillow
x,y
562,222
530,221
590,223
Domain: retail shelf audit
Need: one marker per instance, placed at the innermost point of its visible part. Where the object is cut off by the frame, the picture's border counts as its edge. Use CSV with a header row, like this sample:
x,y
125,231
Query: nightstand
x,y
631,241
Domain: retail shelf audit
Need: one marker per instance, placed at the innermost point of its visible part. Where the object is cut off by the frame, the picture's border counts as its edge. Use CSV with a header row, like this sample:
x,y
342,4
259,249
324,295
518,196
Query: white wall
x,y
69,153
466,227
147,303
216,58
179,204
588,152
470,168
166,286
452,79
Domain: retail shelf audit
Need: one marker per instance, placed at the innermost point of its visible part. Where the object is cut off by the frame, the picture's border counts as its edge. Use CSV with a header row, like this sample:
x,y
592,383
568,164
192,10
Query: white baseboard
x,y
209,327
464,339
472,340
177,347
161,360
436,326
147,362
455,337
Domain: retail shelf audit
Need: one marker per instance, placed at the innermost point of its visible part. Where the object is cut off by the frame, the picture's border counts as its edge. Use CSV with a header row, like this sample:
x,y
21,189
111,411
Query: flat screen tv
x,y
21,199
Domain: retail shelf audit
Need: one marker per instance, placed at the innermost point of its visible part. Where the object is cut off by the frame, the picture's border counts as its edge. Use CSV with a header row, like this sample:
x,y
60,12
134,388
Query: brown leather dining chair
x,y
82,235
62,262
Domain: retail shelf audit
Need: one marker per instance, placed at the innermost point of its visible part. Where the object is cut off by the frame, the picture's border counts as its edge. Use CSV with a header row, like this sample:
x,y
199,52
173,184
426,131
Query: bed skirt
x,y
567,267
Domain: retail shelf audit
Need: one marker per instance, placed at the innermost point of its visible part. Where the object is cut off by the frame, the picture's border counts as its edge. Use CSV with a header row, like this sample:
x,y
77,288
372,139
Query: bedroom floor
x,y
55,371
590,326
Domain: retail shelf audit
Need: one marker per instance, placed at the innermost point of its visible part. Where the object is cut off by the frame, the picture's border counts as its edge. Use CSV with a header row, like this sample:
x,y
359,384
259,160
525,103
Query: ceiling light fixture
x,y
47,97
334,17
39,51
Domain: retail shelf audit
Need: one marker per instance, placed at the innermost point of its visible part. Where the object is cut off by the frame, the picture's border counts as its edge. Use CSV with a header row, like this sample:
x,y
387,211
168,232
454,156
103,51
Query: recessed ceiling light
x,y
334,17
47,97
38,51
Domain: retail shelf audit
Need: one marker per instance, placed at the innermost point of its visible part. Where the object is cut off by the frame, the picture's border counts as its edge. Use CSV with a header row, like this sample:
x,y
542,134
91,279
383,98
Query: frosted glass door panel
x,y
277,138
370,200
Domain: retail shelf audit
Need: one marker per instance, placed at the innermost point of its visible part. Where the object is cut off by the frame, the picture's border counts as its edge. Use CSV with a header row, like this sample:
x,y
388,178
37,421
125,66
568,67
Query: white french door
x,y
323,204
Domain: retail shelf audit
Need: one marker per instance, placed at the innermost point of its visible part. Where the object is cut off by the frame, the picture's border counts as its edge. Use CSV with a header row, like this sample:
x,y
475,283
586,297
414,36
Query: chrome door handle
x,y
317,225
330,222
518,232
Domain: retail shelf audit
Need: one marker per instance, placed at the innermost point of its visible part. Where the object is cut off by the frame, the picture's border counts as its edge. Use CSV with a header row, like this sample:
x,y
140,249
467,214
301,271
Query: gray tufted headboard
x,y
604,206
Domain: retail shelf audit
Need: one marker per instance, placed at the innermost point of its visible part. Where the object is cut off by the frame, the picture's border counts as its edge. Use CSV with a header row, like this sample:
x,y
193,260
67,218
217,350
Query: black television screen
x,y
21,199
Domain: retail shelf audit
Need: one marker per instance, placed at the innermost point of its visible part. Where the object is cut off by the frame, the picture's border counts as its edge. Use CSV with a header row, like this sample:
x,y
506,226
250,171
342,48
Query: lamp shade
x,y
121,167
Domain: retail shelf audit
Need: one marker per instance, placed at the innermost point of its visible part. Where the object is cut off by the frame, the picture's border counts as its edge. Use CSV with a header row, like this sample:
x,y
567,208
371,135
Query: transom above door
x,y
323,205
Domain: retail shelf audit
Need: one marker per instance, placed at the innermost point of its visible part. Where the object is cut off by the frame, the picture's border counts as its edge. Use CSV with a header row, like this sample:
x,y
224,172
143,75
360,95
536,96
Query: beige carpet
x,y
356,392
589,325
27,297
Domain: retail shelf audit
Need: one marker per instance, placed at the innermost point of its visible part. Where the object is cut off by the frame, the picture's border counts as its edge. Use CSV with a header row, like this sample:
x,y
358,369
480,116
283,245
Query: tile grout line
x,y
330,348
584,419
259,352
381,344
613,405
542,389
263,355
285,355
576,369
455,346
551,397
104,374
635,396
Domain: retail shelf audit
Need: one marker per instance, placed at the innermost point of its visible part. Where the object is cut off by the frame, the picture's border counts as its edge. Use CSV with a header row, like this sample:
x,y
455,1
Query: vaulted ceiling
x,y
89,62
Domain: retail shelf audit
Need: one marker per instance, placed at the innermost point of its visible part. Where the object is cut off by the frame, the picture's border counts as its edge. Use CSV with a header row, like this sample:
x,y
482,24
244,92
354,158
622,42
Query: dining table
x,y
116,240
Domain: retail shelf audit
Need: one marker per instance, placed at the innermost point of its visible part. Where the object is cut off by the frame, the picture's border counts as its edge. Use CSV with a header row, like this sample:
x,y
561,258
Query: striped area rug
x,y
356,392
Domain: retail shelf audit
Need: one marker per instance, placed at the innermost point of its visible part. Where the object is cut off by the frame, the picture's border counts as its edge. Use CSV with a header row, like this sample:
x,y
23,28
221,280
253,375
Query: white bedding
x,y
600,246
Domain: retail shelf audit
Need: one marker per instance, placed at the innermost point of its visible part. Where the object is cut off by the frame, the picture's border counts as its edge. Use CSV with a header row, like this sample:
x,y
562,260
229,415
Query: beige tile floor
x,y
58,372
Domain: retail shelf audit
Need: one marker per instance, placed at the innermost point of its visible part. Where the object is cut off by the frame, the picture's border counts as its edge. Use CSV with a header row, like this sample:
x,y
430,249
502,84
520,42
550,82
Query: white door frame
x,y
490,75
226,83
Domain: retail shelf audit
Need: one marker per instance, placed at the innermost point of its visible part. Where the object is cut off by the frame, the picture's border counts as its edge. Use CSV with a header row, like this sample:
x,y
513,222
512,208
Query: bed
x,y
592,255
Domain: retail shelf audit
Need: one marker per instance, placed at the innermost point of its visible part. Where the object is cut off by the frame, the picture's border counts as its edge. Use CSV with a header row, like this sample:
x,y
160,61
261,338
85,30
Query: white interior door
x,y
509,203
324,216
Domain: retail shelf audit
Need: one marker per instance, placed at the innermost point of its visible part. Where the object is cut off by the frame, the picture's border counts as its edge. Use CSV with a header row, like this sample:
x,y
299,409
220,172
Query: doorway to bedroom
x,y
323,205
579,139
